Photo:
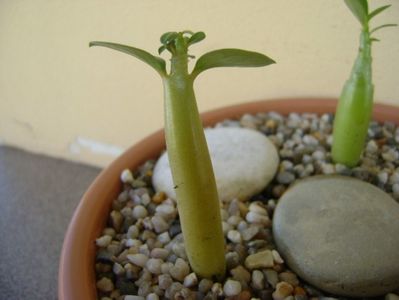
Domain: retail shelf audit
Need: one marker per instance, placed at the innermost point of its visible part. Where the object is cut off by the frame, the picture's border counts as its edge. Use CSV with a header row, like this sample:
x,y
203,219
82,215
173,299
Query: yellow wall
x,y
61,98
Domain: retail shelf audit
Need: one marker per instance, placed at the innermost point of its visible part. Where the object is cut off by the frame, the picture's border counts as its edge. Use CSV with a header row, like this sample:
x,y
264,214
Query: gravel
x,y
141,254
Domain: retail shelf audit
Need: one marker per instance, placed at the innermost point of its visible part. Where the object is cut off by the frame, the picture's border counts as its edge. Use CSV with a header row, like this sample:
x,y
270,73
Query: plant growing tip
x,y
355,104
197,197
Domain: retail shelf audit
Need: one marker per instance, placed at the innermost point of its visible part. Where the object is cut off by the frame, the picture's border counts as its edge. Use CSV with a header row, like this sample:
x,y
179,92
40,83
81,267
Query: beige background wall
x,y
61,98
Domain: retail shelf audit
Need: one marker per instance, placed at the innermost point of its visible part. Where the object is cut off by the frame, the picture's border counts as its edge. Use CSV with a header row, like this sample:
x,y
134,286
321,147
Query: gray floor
x,y
37,198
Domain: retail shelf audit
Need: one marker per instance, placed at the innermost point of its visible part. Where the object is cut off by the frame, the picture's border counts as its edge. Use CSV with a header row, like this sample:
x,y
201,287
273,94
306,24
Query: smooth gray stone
x,y
340,234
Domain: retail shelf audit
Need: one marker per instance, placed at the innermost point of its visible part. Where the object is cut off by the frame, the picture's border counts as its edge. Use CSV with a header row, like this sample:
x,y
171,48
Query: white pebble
x,y
126,176
103,241
310,140
152,296
190,280
234,236
145,199
253,217
131,297
226,227
133,232
232,288
180,270
139,212
249,233
164,238
234,220
217,289
277,257
160,225
179,250
166,210
161,253
154,265
166,266
138,259
257,208
133,243
118,269
258,279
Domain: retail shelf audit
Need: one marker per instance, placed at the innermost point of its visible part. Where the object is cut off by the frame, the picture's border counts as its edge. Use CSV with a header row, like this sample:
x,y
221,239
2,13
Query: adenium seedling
x,y
356,101
197,197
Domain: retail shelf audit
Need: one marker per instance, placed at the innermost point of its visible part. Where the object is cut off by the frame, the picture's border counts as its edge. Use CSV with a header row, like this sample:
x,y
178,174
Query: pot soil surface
x,y
141,253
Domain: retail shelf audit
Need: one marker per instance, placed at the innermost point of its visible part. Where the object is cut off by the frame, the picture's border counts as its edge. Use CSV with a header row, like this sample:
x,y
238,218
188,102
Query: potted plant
x,y
77,278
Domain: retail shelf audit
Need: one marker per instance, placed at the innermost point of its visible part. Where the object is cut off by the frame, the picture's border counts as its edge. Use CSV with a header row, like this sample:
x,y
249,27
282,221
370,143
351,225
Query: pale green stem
x,y
354,108
192,171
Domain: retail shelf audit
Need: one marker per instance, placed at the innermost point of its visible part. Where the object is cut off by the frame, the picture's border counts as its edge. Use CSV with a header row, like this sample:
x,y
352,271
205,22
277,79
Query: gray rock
x,y
340,234
244,162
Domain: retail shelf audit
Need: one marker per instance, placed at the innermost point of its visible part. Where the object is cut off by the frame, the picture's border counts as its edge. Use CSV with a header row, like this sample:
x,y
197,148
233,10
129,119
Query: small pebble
x,y
262,259
131,297
165,281
180,270
105,284
249,233
190,280
152,296
160,225
139,212
205,285
126,176
257,280
253,217
138,259
154,265
285,177
232,288
103,241
283,290
391,296
277,258
239,273
271,277
161,253
234,236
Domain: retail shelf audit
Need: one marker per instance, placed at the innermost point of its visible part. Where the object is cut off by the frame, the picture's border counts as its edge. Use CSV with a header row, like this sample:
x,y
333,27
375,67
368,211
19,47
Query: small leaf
x,y
167,37
230,58
161,49
156,62
378,11
383,26
360,10
374,40
196,37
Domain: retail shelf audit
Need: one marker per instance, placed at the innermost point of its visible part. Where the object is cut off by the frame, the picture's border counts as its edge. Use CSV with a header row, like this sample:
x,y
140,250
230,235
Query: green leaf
x,y
231,58
378,11
167,37
383,26
196,37
360,10
161,49
156,62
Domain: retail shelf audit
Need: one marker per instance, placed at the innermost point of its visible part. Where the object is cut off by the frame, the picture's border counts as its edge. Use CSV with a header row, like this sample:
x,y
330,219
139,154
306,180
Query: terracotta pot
x,y
76,272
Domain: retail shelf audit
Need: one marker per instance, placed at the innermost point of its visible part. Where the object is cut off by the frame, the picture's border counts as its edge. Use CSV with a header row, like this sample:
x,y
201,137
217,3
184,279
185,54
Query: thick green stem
x,y
192,171
354,108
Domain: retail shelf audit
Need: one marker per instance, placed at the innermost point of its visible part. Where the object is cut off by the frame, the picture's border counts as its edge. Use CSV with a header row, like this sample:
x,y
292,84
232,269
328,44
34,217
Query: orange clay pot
x,y
76,280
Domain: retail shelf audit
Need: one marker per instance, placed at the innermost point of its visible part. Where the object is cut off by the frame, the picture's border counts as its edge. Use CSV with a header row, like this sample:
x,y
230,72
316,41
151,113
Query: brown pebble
x,y
283,290
298,291
289,277
159,197
116,220
244,295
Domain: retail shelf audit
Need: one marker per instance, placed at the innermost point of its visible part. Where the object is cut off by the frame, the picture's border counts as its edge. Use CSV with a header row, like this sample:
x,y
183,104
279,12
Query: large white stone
x,y
244,162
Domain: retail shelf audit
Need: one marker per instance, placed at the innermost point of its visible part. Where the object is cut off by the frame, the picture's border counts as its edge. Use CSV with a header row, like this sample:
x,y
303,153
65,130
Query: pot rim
x,y
76,277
